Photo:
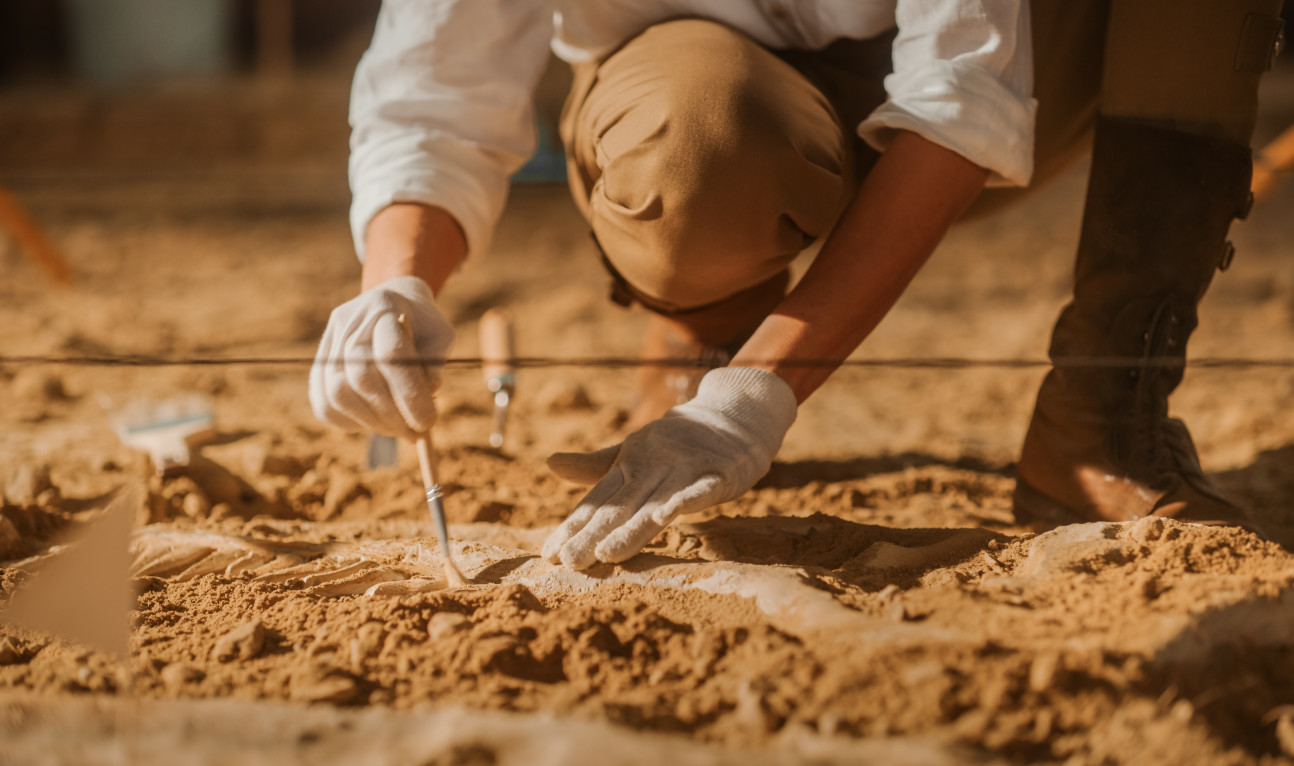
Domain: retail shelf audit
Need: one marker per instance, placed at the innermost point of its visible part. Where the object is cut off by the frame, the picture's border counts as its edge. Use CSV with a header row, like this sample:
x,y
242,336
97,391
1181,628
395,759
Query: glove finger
x,y
365,395
661,508
330,396
321,403
580,517
410,383
583,467
580,552
628,539
697,496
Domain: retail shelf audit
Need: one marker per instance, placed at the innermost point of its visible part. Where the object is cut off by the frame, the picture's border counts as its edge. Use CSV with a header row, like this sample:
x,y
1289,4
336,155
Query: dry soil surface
x,y
871,599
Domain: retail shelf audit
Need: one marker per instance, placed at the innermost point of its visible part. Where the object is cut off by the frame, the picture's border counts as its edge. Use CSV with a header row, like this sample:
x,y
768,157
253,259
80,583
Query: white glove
x,y
699,454
364,379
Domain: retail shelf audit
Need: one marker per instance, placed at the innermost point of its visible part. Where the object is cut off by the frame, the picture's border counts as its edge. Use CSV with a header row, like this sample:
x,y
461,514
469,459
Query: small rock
x,y
178,674
242,643
1146,530
88,679
327,686
9,654
26,483
1182,710
1075,548
1042,672
196,505
51,499
888,593
444,624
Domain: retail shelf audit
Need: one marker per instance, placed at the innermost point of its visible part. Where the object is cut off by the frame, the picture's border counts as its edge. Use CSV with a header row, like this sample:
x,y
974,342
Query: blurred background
x,y
187,163
153,97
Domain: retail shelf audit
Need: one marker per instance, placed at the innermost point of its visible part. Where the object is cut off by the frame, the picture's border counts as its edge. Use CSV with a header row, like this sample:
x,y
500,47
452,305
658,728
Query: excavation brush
x,y
427,464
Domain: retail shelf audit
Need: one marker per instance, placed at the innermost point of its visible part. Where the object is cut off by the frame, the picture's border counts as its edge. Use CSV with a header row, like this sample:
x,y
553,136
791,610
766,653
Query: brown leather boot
x,y
1101,445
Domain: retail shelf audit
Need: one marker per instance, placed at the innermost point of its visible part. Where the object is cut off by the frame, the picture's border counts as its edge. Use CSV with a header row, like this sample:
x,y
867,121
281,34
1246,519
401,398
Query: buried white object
x,y
166,429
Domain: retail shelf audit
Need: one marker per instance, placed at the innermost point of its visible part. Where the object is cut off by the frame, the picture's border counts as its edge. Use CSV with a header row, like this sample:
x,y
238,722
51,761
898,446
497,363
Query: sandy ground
x,y
871,599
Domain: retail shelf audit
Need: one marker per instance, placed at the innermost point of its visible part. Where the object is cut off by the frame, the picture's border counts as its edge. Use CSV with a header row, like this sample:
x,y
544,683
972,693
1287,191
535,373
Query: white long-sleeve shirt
x,y
441,104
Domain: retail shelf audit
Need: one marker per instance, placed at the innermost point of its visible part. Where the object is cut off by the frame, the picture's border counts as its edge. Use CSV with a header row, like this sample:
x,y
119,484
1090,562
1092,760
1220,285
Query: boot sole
x,y
1031,506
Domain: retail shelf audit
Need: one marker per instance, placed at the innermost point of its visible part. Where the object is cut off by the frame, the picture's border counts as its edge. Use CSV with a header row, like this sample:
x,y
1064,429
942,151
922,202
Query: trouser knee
x,y
703,162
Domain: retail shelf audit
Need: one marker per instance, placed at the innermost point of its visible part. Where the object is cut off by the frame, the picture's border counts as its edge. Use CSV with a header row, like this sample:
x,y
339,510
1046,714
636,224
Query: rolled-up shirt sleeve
x,y
963,79
441,108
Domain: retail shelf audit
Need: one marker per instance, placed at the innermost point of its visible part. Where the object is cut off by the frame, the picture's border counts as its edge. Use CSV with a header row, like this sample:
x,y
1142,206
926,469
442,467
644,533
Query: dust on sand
x,y
871,598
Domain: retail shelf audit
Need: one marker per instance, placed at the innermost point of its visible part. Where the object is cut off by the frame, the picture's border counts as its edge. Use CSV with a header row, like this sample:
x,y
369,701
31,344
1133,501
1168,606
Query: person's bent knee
x,y
711,181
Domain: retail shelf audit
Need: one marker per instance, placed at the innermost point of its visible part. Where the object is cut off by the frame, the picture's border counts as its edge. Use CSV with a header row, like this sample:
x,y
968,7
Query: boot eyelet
x,y
1228,255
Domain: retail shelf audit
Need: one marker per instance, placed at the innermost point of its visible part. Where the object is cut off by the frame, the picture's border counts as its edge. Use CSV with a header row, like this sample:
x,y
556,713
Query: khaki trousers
x,y
705,163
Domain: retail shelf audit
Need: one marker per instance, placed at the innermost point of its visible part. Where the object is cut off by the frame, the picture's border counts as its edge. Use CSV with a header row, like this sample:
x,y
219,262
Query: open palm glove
x,y
699,454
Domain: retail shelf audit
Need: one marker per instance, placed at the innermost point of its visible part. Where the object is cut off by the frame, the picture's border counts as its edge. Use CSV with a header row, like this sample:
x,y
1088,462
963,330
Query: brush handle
x,y
427,465
498,346
427,459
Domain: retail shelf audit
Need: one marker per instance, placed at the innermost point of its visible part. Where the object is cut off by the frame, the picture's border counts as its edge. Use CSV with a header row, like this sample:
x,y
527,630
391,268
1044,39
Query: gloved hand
x,y
699,454
358,381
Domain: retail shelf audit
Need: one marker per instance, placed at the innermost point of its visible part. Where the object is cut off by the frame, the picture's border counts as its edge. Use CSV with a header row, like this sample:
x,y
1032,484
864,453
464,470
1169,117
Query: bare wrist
x,y
415,240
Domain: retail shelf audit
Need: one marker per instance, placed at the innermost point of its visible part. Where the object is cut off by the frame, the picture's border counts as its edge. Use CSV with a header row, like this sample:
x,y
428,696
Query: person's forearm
x,y
412,240
903,209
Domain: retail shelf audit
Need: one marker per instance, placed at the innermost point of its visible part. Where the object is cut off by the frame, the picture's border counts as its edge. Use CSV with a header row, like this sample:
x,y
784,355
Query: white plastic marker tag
x,y
84,595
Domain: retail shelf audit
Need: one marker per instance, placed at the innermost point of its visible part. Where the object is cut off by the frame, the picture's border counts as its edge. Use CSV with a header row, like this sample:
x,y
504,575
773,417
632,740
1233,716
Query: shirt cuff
x,y
454,176
964,109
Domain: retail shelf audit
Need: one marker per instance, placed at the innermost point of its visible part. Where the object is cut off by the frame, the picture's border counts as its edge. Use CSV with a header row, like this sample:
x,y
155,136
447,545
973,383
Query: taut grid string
x,y
612,362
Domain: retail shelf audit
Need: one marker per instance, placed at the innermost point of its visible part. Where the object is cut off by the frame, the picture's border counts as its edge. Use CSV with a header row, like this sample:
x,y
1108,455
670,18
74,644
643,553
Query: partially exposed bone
x,y
337,574
171,562
247,562
356,584
285,566
216,562
405,588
